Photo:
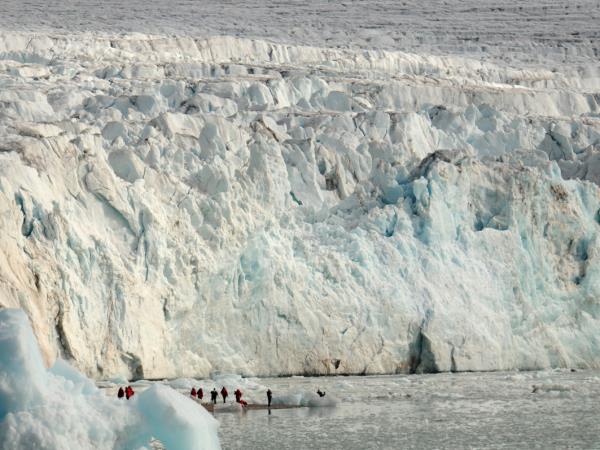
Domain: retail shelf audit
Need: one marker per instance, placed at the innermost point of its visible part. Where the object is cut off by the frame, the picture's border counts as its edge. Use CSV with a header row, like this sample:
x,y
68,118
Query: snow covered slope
x,y
177,206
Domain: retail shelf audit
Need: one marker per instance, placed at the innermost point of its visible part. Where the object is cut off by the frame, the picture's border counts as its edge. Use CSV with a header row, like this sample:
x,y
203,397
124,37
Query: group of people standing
x,y
214,395
199,394
127,392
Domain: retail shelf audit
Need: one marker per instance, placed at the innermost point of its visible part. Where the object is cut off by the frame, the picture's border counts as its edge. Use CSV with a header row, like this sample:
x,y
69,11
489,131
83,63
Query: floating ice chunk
x,y
552,387
61,408
141,383
177,421
183,383
309,399
119,379
226,378
39,409
288,399
519,377
23,378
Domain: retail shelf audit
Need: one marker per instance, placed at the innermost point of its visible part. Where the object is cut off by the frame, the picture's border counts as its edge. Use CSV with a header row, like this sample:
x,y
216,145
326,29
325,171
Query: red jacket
x,y
129,392
193,393
200,393
224,392
238,395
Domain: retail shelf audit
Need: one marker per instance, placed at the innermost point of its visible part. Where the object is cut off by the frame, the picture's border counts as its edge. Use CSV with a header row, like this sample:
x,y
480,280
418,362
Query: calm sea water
x,y
445,411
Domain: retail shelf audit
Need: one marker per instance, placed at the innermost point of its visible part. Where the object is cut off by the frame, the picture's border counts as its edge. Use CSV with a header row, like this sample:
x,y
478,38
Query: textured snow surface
x,y
531,31
62,409
176,207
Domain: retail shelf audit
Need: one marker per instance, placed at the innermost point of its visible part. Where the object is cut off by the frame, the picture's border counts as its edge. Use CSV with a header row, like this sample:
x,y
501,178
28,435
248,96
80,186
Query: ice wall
x,y
175,207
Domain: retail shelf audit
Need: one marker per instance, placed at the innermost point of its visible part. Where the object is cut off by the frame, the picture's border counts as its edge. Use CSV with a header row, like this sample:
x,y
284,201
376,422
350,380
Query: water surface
x,y
450,411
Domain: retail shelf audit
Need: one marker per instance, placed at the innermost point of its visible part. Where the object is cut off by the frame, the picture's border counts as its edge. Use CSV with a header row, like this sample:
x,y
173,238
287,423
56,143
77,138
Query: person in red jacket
x,y
200,394
121,393
193,393
129,392
224,394
238,395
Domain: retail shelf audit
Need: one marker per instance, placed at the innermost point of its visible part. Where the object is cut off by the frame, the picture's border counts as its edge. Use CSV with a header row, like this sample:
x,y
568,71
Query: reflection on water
x,y
475,410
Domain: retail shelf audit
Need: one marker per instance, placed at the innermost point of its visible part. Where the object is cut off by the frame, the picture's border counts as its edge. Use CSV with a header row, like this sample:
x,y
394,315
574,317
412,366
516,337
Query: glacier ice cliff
x,y
173,206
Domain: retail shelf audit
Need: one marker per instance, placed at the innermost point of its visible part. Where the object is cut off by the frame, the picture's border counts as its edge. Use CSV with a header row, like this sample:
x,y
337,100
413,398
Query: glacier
x,y
174,206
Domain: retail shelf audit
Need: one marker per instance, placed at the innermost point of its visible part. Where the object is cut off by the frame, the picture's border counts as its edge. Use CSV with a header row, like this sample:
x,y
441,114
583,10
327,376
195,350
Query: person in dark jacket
x,y
193,393
200,394
121,393
238,395
269,397
213,395
224,394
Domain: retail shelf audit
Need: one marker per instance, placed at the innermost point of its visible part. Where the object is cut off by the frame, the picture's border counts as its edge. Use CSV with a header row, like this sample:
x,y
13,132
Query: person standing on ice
x,y
238,395
129,392
200,394
193,393
269,397
224,394
213,395
121,393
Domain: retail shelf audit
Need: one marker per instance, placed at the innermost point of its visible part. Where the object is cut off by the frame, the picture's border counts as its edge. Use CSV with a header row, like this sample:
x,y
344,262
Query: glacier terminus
x,y
178,205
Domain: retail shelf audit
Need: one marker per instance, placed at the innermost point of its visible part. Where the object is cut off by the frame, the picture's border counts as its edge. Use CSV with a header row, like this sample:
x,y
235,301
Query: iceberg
x,y
307,399
61,408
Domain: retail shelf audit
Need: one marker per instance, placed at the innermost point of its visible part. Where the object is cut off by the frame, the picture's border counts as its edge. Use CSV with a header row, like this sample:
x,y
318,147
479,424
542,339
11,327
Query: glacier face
x,y
174,206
